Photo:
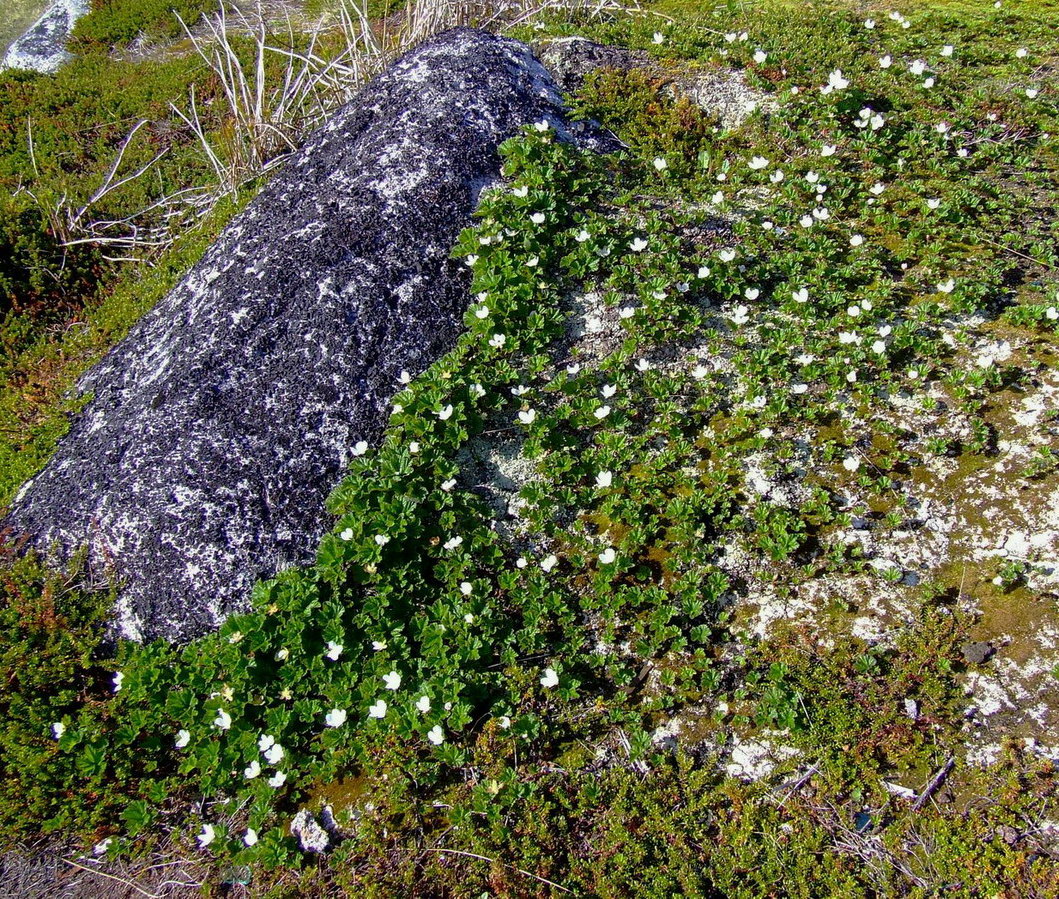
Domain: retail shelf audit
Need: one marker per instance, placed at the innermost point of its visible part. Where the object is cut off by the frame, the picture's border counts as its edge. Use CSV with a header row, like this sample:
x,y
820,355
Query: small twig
x,y
796,785
121,880
934,784
1017,253
486,858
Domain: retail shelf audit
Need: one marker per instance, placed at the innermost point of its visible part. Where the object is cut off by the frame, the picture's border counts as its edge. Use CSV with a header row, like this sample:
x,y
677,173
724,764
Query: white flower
x,y
448,485
928,83
947,50
947,286
477,391
334,650
602,412
277,780
604,479
252,770
471,260
933,203
758,162
806,221
730,36
250,837
821,214
274,754
836,82
223,720
740,315
481,312
381,539
497,341
851,463
608,555
608,390
801,295
527,417
799,388
207,835
118,678
760,56
582,236
423,704
266,741
718,198
918,67
58,729
1031,92
436,735
1051,313
378,645
392,680
660,164
549,562
453,542
856,240
878,347
751,293
642,365
699,372
853,311
658,37
851,376
877,188
869,23
445,413
183,737
638,245
347,534
521,191
776,177
466,588
828,150
877,121
848,337
941,127
361,446
1021,52
413,447
703,272
885,61
573,368
629,311
335,718
805,359
962,152
885,330
533,261
726,255
378,710
550,679
542,126
537,218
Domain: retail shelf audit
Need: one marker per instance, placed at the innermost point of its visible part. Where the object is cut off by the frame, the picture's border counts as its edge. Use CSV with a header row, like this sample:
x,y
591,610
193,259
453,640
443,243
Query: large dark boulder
x,y
221,423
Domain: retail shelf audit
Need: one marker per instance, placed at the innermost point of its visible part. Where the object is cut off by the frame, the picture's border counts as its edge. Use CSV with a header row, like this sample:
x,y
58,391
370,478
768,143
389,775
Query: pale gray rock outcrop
x,y
221,423
42,48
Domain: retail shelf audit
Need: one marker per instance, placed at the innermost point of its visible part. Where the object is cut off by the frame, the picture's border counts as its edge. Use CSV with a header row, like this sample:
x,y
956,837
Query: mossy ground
x,y
717,645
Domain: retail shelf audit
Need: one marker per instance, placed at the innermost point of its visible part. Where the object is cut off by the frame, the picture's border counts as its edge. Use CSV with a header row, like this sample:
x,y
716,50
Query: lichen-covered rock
x,y
219,426
42,48
723,93
310,835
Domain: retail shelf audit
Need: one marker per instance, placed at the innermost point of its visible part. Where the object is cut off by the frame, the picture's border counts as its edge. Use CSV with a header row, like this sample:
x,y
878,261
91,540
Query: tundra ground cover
x,y
699,375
